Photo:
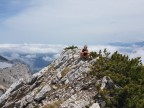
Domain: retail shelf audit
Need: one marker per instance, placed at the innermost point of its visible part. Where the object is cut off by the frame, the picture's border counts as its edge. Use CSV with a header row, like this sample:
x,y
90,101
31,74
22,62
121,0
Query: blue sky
x,y
9,8
71,21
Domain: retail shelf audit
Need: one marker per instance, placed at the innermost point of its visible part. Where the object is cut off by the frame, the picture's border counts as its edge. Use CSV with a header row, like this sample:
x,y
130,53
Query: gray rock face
x,y
2,90
12,88
65,83
104,82
12,74
42,93
78,100
95,105
107,83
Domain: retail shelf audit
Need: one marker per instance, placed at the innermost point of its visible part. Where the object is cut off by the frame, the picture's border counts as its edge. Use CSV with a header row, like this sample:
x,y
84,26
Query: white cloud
x,y
139,52
30,48
76,21
15,56
102,47
37,53
56,56
47,58
32,56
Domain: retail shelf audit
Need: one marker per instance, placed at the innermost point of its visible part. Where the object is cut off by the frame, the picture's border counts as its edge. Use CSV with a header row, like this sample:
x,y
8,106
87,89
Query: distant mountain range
x,y
4,62
141,44
2,59
34,61
138,44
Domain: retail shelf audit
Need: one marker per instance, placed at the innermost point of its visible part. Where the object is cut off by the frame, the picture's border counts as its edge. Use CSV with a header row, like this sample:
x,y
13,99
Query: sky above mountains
x,y
71,21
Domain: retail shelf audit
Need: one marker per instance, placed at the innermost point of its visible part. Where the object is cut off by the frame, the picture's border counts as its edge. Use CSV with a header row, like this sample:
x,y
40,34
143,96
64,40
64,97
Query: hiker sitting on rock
x,y
84,53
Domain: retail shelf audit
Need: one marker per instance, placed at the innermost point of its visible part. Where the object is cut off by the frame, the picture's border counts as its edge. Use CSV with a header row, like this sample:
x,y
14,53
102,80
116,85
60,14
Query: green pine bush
x,y
70,47
127,73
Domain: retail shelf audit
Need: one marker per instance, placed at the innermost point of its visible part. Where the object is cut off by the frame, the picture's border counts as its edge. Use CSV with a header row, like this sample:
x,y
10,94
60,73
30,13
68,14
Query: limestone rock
x,y
13,87
95,105
10,75
42,92
104,81
107,82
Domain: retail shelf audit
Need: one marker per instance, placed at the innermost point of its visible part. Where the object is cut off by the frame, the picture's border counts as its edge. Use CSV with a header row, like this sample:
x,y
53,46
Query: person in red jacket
x,y
85,53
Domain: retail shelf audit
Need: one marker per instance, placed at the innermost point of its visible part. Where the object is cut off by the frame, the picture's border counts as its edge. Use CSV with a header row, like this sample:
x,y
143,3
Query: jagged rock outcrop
x,y
65,83
10,75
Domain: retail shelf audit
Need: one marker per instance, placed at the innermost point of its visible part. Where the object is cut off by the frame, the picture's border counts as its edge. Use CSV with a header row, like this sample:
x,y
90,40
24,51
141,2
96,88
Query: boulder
x,y
12,88
42,92
95,105
104,82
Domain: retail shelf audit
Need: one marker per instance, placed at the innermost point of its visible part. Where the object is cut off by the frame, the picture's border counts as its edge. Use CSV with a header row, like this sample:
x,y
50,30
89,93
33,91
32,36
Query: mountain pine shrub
x,y
71,47
127,74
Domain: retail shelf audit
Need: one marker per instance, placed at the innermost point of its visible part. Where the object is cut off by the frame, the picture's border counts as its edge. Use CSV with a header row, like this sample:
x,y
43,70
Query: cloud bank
x,y
38,56
31,48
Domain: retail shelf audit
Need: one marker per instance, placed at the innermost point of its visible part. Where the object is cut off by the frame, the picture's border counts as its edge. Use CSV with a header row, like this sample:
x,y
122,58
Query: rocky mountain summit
x,y
10,75
65,83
